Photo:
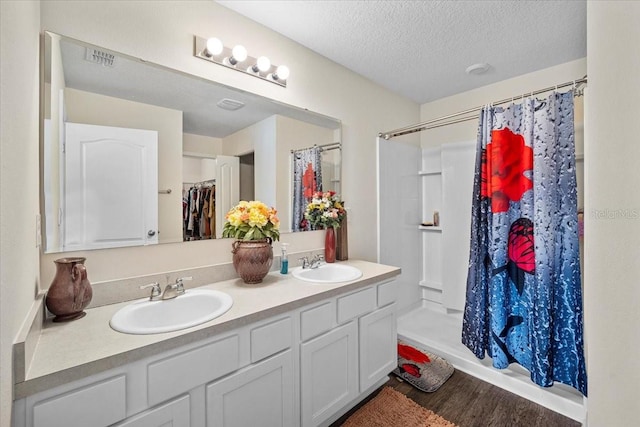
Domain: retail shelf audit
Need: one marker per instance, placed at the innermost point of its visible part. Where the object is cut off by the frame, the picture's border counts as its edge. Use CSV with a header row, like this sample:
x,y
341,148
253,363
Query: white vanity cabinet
x,y
304,367
349,347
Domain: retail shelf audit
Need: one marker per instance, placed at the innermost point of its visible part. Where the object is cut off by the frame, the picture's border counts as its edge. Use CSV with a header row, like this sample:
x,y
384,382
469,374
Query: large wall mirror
x,y
134,153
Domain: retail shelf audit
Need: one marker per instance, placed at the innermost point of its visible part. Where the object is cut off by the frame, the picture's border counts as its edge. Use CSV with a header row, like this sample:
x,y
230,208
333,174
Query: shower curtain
x,y
307,179
524,297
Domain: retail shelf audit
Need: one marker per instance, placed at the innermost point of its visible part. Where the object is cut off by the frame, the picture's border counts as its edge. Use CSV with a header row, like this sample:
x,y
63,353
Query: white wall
x,y
202,145
19,112
612,220
141,29
502,90
259,138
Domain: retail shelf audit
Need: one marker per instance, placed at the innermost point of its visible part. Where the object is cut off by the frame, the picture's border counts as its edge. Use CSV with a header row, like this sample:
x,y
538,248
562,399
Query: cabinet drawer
x,y
96,405
387,293
180,373
357,304
174,413
317,320
271,338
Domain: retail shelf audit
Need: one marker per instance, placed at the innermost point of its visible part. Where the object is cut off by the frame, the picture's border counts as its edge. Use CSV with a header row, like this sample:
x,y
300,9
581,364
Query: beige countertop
x,y
70,351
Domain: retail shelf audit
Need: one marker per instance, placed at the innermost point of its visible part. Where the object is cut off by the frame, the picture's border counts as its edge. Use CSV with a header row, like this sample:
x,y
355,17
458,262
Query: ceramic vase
x,y
252,259
330,245
70,291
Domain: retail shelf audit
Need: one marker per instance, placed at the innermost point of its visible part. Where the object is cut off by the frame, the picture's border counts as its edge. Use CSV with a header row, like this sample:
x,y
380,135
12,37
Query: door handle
x,y
151,233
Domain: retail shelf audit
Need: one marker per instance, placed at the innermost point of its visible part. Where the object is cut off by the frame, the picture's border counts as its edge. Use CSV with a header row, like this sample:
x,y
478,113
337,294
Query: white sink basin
x,y
327,273
194,307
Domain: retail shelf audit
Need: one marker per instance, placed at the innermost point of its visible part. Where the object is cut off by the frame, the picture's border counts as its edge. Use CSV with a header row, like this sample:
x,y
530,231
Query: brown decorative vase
x,y
330,245
70,291
252,259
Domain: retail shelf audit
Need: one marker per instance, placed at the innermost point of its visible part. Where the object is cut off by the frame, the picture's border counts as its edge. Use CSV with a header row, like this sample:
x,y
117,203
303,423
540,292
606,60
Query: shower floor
x,y
439,332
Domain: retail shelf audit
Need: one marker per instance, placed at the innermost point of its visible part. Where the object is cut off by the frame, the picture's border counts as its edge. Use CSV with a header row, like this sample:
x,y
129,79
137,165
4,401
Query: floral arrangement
x,y
325,210
252,221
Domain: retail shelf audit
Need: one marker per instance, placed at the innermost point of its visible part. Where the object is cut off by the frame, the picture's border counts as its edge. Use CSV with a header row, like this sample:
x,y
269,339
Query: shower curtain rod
x,y
323,147
433,123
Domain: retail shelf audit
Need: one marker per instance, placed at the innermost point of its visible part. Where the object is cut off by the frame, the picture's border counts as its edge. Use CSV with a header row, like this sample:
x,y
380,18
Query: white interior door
x,y
111,187
227,188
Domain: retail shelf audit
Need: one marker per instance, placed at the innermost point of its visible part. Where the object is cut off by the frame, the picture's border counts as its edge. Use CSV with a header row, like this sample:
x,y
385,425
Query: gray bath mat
x,y
423,370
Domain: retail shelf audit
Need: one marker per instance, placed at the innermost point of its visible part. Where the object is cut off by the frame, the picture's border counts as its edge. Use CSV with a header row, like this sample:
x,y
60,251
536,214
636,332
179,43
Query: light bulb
x,y
214,47
238,54
263,63
282,73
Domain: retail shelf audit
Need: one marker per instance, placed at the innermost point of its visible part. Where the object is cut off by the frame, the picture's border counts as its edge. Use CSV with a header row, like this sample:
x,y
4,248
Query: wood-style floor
x,y
470,402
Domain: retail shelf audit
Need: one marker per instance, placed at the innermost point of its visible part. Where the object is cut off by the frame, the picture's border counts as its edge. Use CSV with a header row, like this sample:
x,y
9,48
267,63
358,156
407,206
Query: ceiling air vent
x,y
230,104
99,57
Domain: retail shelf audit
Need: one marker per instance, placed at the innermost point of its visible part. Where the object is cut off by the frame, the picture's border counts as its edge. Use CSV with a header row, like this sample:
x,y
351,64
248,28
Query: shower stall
x,y
425,196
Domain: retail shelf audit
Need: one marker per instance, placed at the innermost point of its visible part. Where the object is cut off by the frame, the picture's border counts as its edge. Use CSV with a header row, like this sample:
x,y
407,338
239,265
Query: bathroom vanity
x,y
287,353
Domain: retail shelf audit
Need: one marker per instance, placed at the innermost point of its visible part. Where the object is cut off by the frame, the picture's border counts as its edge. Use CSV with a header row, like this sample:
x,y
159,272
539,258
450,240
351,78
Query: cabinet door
x,y
378,346
175,413
259,395
329,373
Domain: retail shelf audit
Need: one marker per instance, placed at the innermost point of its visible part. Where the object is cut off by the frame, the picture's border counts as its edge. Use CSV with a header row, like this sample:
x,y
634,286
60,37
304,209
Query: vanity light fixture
x,y
262,64
214,47
282,73
238,54
213,50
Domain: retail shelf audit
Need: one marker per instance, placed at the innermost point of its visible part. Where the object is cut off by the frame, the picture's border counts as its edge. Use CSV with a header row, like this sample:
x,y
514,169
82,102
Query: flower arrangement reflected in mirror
x,y
326,211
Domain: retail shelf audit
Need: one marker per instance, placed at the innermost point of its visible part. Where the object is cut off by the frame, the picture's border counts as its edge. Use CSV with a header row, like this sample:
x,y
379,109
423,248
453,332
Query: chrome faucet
x,y
305,262
314,263
171,291
156,291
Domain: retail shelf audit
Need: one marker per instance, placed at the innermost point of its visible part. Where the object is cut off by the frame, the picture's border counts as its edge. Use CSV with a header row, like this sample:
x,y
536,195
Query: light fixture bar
x,y
256,67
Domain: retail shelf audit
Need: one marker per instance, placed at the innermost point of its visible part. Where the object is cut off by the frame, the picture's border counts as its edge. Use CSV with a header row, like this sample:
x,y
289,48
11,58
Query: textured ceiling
x,y
420,49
